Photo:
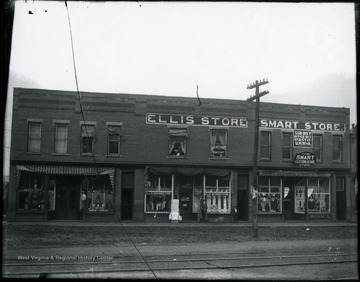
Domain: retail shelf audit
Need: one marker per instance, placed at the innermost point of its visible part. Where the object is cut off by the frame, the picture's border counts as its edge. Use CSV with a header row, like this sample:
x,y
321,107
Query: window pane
x,y
114,147
87,145
177,145
34,137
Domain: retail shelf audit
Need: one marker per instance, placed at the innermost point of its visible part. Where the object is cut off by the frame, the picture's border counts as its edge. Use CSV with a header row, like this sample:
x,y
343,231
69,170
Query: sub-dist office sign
x,y
196,120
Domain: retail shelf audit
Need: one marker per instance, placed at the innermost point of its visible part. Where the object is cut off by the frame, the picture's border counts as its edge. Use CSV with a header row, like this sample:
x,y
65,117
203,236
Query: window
x,y
96,194
265,145
269,195
177,142
158,193
61,138
30,192
34,137
287,146
217,194
218,143
114,133
337,148
318,146
87,139
318,195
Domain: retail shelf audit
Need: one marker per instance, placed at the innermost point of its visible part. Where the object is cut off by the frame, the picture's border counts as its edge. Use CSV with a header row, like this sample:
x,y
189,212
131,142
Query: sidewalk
x,y
188,223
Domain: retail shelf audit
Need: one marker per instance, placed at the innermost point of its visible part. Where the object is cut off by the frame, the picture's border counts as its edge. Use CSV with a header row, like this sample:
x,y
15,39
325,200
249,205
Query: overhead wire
x,y
83,117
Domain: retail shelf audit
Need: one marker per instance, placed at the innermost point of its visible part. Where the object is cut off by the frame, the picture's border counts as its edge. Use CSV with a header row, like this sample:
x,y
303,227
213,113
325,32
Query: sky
x,y
305,50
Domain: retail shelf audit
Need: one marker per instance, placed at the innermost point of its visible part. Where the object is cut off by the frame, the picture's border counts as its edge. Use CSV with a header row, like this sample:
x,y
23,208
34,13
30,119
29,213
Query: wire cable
x,y
83,116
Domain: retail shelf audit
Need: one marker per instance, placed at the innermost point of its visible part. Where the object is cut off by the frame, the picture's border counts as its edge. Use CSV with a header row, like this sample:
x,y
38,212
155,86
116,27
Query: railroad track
x,y
127,265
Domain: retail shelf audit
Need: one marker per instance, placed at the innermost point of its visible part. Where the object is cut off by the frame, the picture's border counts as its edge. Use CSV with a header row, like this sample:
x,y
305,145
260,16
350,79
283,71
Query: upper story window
x,y
87,138
337,148
265,145
61,138
287,146
34,137
177,142
218,143
318,146
114,135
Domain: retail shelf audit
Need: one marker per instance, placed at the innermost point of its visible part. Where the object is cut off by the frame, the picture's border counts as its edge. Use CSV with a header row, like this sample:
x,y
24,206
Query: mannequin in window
x,y
98,202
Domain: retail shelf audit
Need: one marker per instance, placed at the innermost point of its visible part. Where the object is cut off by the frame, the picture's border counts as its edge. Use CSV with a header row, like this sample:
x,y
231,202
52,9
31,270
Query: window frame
x,y
118,141
215,194
181,143
289,147
319,157
339,150
31,139
269,193
269,146
58,139
82,136
213,143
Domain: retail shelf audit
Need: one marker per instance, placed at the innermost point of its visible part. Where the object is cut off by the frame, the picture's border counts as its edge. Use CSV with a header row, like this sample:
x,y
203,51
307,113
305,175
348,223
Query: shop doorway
x,y
67,198
288,198
243,198
185,202
340,199
127,195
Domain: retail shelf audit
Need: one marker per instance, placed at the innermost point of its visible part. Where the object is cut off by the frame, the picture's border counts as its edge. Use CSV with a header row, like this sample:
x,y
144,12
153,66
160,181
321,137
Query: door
x,y
68,198
243,198
340,199
288,198
127,195
185,203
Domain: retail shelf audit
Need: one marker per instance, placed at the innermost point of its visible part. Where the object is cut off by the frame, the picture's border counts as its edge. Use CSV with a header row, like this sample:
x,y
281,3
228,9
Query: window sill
x,y
219,158
157,212
33,153
86,155
265,160
113,156
269,212
30,211
337,162
176,157
58,154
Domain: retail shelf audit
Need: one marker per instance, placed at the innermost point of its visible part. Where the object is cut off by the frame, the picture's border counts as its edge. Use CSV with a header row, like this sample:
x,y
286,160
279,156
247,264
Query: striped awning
x,y
68,170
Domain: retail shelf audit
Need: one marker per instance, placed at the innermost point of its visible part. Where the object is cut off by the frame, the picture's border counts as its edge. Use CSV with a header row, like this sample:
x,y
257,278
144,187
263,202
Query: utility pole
x,y
254,189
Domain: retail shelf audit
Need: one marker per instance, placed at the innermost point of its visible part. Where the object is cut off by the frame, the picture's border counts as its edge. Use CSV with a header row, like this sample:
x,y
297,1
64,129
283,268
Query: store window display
x,y
158,193
217,194
31,192
269,196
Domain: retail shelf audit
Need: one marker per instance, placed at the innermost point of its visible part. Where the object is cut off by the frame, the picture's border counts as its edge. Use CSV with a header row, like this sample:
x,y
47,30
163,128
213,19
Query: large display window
x,y
269,196
158,193
217,194
30,192
96,194
317,191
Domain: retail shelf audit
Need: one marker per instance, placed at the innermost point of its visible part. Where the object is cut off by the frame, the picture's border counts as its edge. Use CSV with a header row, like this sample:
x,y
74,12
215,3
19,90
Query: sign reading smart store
x,y
196,120
288,124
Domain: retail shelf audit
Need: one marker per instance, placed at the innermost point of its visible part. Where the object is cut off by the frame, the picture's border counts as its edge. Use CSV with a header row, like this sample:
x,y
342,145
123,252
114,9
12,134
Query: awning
x,y
68,170
294,173
189,171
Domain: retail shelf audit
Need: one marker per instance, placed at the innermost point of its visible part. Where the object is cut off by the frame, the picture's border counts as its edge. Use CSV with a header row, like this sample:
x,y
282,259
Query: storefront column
x,y
117,192
250,196
11,208
333,196
46,195
349,201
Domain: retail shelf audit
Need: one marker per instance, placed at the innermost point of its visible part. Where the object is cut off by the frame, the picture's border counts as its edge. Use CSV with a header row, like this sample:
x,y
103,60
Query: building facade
x,y
108,157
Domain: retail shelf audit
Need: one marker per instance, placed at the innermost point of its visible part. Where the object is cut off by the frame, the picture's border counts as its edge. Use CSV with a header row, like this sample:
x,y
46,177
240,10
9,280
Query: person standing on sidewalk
x,y
203,207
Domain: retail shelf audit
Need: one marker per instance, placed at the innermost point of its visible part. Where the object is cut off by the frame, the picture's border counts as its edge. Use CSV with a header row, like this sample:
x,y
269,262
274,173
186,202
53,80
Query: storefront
x,y
46,192
190,186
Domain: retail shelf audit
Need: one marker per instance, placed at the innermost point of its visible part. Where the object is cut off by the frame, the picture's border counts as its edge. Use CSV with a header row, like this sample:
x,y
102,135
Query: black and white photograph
x,y
179,140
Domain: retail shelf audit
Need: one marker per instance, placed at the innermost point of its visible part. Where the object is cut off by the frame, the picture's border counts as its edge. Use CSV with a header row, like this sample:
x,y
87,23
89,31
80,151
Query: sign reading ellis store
x,y
196,120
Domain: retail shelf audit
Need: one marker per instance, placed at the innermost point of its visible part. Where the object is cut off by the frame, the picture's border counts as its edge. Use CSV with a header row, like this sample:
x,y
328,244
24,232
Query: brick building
x,y
125,157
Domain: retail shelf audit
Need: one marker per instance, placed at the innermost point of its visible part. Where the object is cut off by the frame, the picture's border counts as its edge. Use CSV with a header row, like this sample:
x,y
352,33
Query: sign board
x,y
303,138
305,159
290,124
319,216
167,119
